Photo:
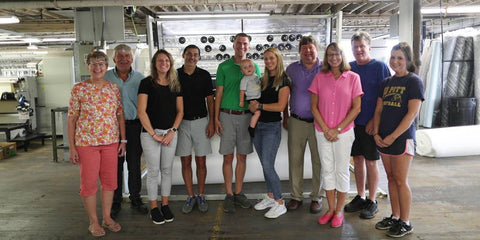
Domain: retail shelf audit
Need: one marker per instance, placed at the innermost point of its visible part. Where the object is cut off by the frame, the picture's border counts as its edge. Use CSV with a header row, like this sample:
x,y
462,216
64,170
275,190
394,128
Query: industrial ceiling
x,y
55,18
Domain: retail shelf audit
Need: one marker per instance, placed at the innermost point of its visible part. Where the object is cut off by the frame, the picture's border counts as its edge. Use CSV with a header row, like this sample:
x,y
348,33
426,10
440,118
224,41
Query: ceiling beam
x,y
14,4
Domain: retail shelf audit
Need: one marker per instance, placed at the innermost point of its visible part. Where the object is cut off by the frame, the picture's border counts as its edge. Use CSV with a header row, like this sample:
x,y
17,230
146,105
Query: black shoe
x,y
157,216
167,214
371,208
116,207
138,205
241,200
386,223
357,204
400,229
228,204
251,131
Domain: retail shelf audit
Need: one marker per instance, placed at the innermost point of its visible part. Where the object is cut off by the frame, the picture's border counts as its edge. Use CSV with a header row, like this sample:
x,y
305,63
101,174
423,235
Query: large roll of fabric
x,y
476,73
433,85
453,77
449,142
464,87
448,49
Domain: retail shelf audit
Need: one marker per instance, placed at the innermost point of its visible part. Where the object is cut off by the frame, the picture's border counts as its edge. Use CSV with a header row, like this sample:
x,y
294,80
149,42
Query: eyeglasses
x,y
333,55
99,64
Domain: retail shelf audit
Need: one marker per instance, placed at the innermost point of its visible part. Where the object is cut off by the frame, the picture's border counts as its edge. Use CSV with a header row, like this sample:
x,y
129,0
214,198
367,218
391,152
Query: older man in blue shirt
x,y
128,81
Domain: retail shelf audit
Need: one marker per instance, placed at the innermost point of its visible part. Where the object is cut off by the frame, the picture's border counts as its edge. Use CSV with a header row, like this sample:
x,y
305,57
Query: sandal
x,y
114,227
99,232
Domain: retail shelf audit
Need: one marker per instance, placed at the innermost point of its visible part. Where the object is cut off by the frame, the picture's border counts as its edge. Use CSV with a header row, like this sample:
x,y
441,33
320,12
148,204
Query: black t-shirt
x,y
270,95
195,88
161,105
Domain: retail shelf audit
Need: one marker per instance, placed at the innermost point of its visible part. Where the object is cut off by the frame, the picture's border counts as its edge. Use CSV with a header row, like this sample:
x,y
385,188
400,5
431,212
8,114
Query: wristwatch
x,y
173,129
339,129
260,106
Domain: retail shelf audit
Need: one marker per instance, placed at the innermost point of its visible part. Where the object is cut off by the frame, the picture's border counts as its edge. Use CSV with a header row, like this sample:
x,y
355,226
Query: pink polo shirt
x,y
335,96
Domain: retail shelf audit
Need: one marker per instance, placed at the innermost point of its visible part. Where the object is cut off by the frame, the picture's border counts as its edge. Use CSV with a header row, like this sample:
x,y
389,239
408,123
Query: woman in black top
x,y
268,133
160,110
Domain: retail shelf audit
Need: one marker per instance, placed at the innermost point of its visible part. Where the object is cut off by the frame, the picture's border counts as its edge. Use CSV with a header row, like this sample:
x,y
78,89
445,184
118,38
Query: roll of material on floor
x,y
449,142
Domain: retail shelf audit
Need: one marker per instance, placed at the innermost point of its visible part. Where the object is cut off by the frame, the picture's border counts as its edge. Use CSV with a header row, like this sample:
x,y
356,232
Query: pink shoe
x,y
337,221
325,218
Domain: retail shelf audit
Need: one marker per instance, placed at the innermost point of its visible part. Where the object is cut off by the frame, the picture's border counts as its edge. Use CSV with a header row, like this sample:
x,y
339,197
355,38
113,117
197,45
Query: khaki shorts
x,y
235,134
192,134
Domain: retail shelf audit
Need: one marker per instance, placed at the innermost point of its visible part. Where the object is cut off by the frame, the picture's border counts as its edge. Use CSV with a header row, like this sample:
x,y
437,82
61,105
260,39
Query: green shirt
x,y
229,76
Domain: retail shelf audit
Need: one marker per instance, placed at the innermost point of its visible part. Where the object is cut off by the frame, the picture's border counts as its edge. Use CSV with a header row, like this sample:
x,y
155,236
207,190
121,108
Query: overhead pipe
x,y
13,4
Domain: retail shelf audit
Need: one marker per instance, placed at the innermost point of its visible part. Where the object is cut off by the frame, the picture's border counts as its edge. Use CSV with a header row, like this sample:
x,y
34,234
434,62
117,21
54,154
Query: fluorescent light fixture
x,y
72,39
206,16
31,40
451,10
32,47
381,37
9,20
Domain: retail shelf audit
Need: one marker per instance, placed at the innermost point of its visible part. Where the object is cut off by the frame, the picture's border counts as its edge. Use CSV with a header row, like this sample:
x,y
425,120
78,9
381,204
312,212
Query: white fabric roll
x,y
449,142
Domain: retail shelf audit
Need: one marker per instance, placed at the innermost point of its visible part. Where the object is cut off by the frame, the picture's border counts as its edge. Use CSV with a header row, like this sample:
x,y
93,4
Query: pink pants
x,y
97,161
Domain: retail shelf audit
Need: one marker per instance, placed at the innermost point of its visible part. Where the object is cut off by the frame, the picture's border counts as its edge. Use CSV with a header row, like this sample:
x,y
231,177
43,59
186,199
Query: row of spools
x,y
270,38
283,46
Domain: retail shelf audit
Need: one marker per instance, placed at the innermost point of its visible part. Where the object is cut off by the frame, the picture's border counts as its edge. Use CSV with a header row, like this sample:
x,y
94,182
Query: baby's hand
x,y
241,104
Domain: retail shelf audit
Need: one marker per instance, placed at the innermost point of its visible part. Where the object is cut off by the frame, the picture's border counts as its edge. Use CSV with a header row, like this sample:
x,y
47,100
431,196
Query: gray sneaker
x,y
228,205
241,200
189,204
202,203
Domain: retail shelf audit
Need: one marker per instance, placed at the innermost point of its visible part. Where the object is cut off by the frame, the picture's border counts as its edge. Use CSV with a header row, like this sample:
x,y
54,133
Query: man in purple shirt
x,y
300,126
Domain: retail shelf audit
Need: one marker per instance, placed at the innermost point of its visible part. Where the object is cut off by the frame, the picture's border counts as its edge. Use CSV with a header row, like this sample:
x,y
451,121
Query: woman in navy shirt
x,y
398,103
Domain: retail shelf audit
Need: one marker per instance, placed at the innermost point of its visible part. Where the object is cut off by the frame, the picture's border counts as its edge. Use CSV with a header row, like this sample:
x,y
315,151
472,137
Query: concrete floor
x,y
39,200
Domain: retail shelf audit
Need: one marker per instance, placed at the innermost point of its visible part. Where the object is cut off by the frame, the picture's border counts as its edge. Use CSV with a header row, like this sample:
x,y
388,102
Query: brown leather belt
x,y
234,112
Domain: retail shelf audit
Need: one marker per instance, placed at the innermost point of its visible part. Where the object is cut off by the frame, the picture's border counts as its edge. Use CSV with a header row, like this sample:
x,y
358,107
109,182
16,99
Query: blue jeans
x,y
266,141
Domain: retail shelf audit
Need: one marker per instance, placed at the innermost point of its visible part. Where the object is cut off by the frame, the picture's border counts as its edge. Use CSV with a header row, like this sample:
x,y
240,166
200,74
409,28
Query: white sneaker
x,y
267,202
276,211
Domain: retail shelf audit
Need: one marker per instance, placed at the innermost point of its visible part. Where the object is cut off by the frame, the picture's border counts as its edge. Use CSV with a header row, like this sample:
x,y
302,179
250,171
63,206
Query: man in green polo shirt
x,y
232,121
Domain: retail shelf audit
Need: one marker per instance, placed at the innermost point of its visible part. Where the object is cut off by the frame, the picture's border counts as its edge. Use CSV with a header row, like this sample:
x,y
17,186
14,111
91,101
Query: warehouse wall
x,y
54,85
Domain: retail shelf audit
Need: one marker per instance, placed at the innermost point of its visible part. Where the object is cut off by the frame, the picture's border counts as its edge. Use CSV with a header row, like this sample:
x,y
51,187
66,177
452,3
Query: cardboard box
x,y
8,149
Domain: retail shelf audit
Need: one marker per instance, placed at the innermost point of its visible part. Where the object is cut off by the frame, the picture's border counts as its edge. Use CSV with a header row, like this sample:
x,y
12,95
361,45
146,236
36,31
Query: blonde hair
x,y
344,66
173,82
246,61
279,71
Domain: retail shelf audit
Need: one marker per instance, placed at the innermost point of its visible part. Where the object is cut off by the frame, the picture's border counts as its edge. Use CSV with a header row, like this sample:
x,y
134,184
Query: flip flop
x,y
114,227
96,232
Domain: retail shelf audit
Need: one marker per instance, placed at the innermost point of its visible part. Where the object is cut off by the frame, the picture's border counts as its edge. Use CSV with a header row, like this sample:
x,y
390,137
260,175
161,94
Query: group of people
x,y
338,108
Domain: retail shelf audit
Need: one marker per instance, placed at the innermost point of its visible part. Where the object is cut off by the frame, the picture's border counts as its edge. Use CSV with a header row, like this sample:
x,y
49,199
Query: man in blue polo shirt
x,y
364,150
128,81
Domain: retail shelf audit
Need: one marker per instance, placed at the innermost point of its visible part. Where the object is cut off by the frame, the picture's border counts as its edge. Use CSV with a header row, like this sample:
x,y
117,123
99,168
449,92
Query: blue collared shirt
x,y
129,90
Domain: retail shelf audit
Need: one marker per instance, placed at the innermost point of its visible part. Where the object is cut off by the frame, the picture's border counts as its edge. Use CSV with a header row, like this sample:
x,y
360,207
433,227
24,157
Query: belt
x,y
135,121
194,117
309,120
234,112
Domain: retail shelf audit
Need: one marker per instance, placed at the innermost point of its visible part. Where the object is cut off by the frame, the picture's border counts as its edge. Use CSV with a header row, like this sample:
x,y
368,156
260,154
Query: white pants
x,y
335,159
159,159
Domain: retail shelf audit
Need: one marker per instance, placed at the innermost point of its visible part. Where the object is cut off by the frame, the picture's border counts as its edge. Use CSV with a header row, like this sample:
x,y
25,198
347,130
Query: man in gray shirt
x,y
128,81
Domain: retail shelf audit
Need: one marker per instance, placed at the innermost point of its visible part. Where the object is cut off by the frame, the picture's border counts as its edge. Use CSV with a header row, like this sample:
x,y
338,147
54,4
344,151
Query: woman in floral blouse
x,y
95,126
